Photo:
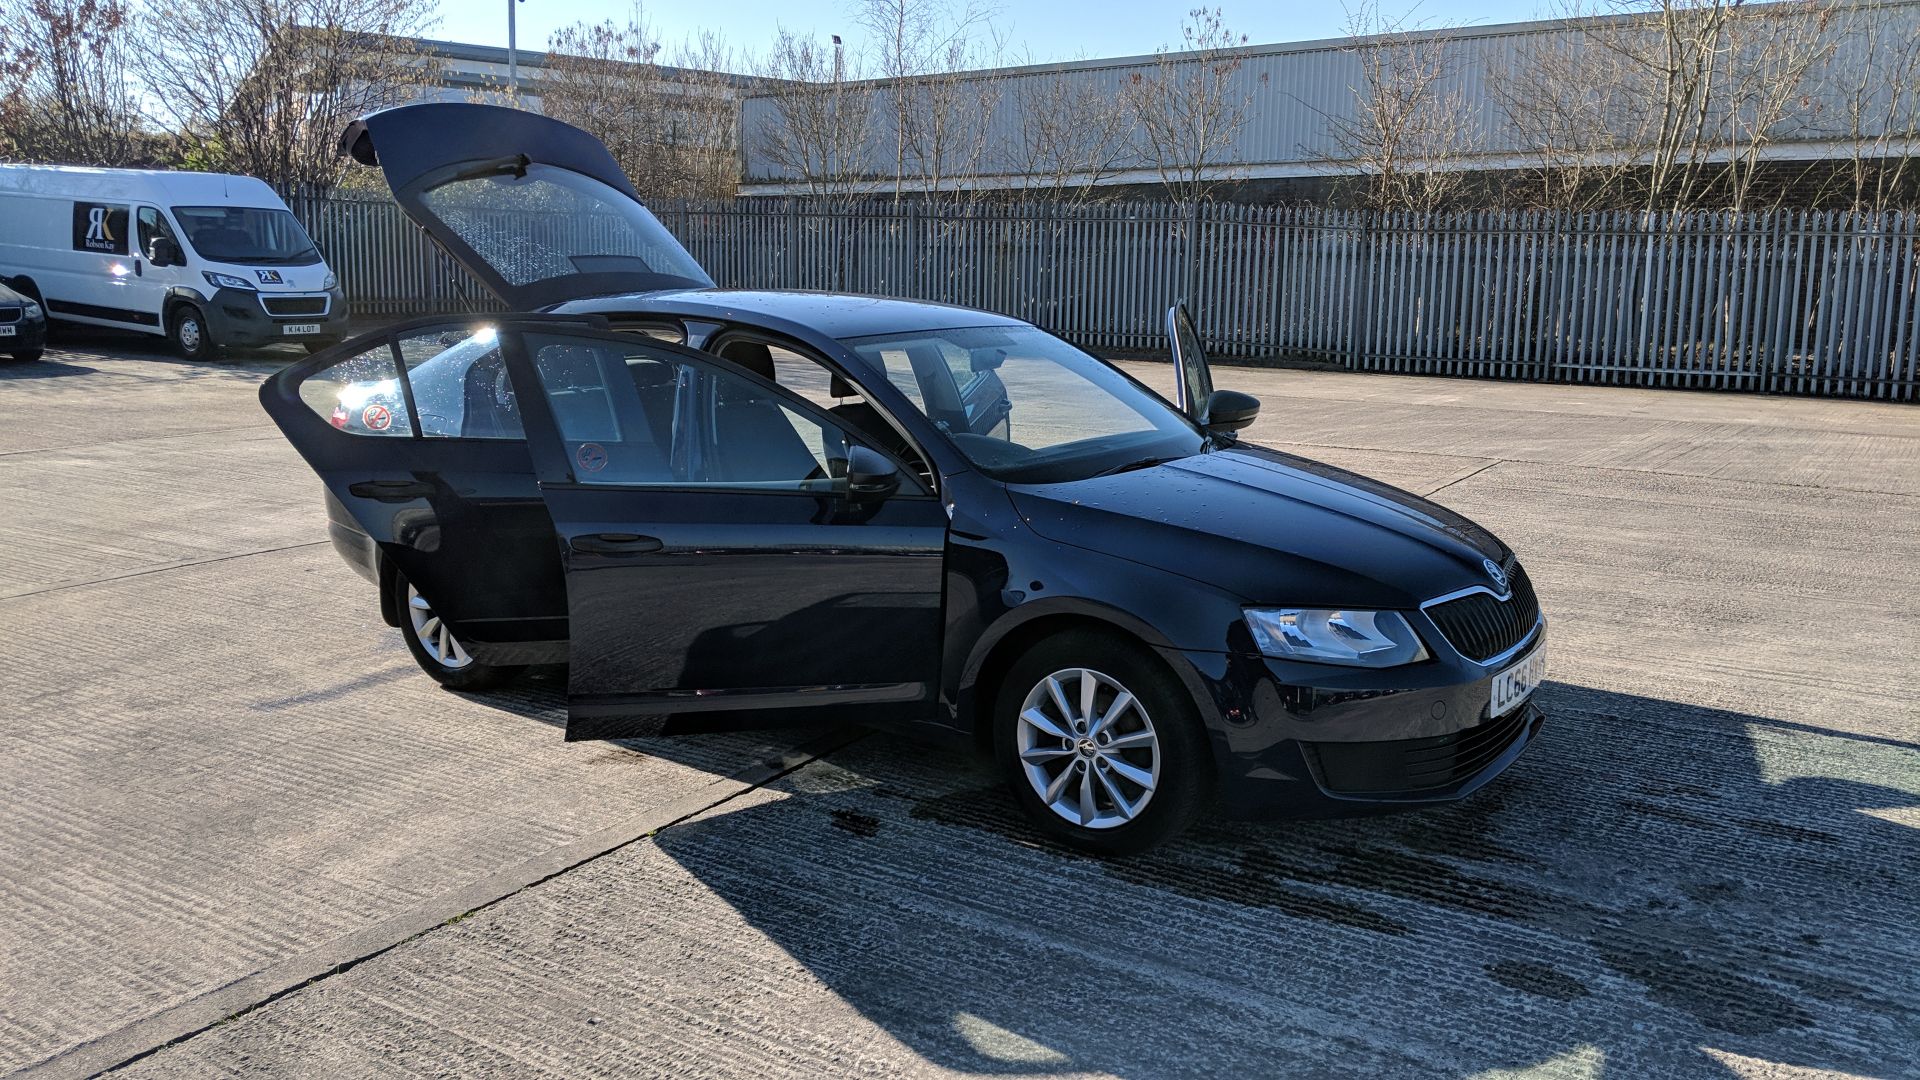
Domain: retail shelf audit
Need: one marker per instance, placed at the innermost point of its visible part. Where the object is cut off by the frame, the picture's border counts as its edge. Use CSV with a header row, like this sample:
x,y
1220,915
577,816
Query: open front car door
x,y
1194,385
536,209
733,555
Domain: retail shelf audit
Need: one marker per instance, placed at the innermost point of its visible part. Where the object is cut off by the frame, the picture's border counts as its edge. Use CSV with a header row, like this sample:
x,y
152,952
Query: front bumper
x,y
26,337
236,318
1303,740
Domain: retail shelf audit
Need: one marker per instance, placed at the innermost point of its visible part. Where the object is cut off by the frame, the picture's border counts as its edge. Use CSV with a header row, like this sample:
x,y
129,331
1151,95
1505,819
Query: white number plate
x,y
1512,686
6,331
301,328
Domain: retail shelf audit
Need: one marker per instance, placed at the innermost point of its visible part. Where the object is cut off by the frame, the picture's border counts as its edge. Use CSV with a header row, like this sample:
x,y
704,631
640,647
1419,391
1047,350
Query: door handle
x,y
615,544
391,490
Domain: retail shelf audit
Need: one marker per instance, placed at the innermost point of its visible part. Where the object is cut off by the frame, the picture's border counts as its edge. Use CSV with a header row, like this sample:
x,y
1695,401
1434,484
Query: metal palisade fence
x,y
1824,303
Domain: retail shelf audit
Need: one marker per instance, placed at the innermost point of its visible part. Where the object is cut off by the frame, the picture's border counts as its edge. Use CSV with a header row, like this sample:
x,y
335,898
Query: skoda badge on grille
x,y
1498,575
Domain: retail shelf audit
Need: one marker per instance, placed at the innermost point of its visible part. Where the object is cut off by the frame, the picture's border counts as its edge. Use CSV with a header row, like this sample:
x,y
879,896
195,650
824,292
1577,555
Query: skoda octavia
x,y
724,507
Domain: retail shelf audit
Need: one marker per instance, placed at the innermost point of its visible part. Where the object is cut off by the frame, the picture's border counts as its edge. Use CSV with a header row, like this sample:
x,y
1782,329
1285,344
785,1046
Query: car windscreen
x,y
1026,407
538,223
252,236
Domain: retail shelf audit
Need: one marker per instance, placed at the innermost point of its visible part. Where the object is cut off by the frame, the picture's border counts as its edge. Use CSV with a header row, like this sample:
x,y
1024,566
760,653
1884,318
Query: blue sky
x,y
1047,29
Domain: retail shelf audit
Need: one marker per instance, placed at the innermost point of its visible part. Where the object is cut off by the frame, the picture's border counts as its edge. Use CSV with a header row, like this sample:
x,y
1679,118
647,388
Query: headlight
x,y
33,311
227,281
329,283
1375,639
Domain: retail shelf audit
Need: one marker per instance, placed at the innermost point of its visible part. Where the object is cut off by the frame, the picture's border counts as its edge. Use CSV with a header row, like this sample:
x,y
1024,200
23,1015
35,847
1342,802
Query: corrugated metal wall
x,y
1297,92
1784,302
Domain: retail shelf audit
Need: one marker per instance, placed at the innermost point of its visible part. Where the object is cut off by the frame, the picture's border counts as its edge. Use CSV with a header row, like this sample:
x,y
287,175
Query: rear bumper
x,y
236,318
1286,750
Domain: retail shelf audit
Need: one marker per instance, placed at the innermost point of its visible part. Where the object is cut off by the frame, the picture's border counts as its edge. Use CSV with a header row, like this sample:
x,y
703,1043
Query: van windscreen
x,y
247,235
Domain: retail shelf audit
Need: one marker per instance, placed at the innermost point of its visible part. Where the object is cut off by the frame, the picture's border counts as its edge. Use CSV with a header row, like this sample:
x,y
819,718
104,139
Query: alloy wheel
x,y
1088,748
434,634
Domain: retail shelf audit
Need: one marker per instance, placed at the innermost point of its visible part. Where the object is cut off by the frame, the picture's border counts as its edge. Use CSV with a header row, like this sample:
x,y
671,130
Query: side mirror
x,y
1231,410
870,475
164,252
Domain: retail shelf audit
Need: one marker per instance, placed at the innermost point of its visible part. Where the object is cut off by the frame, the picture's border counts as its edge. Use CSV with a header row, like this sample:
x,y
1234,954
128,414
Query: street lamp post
x,y
513,53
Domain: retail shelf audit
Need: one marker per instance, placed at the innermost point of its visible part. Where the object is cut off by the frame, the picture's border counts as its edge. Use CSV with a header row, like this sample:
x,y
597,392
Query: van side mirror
x,y
164,252
1230,410
870,475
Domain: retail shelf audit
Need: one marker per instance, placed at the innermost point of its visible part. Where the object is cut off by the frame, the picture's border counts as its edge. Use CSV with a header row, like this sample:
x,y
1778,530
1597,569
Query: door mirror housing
x,y
164,252
870,474
1230,410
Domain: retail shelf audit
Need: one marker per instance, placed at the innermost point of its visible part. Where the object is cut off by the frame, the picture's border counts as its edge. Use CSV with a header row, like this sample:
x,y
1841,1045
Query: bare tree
x,y
1876,87
821,116
671,128
939,119
1071,134
264,87
1671,104
1192,105
65,95
1410,126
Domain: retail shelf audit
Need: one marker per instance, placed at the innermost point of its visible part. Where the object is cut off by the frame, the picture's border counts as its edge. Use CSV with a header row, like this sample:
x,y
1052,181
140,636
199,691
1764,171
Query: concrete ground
x,y
241,836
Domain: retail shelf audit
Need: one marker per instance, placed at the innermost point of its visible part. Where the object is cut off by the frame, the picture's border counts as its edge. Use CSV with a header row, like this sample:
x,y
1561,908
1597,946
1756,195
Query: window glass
x,y
460,384
1024,406
360,395
630,415
152,227
252,236
541,223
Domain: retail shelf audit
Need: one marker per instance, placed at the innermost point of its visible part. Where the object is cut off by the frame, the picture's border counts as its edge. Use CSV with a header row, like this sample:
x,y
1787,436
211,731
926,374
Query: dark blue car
x,y
724,507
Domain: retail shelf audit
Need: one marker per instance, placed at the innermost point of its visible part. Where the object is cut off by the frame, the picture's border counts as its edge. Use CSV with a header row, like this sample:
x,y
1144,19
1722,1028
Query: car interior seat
x,y
753,437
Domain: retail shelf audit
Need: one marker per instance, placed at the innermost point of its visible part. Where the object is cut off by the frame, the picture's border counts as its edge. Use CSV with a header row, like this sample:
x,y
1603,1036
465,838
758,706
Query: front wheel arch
x,y
998,657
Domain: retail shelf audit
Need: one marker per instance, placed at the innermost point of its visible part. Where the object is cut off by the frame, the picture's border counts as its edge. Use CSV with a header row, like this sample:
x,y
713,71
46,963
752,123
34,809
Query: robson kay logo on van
x,y
100,227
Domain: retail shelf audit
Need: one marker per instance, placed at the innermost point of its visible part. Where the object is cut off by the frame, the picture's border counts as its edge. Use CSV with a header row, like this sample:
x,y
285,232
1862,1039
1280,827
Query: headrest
x,y
840,387
752,355
570,366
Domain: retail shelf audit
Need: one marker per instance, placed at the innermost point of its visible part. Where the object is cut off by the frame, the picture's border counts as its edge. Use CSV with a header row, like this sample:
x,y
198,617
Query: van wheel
x,y
436,650
187,331
29,355
1101,744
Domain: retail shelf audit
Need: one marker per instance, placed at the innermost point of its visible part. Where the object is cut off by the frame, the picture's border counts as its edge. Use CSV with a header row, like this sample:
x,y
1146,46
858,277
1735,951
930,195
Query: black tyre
x,y
188,333
1123,776
436,650
28,354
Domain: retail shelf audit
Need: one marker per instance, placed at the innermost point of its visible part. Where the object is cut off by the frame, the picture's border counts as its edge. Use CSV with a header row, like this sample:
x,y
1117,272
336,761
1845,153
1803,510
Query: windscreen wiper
x,y
1143,463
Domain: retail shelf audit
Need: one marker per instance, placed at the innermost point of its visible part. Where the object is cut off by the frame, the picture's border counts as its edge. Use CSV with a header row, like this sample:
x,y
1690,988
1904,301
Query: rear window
x,y
542,223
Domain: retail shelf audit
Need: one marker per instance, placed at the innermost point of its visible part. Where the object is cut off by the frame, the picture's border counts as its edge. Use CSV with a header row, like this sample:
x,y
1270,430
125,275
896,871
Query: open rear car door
x,y
536,209
1194,379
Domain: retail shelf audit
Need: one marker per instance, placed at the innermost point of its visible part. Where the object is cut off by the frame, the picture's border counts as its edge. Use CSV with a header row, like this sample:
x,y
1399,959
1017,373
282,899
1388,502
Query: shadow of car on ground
x,y
1656,886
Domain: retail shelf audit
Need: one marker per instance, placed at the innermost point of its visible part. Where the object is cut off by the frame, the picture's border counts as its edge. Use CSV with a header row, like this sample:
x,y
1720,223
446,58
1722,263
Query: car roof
x,y
172,187
836,315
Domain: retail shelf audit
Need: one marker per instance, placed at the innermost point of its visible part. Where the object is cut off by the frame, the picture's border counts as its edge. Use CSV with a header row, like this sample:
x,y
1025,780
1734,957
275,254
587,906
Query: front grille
x,y
289,306
1408,766
1482,626
11,313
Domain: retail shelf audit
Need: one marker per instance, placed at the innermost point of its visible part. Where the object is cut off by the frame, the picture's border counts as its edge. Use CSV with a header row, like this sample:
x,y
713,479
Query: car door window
x,y
460,384
361,394
629,414
153,227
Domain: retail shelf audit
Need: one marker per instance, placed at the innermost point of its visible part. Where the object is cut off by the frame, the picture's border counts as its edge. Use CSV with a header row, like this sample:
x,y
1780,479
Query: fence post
x,y
792,268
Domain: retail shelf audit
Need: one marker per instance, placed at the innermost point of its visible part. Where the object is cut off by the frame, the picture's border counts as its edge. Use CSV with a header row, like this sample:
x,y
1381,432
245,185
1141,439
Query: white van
x,y
205,259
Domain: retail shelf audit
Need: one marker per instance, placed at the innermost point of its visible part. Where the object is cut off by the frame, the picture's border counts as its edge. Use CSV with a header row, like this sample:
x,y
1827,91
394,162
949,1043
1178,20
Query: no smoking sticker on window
x,y
377,418
591,457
